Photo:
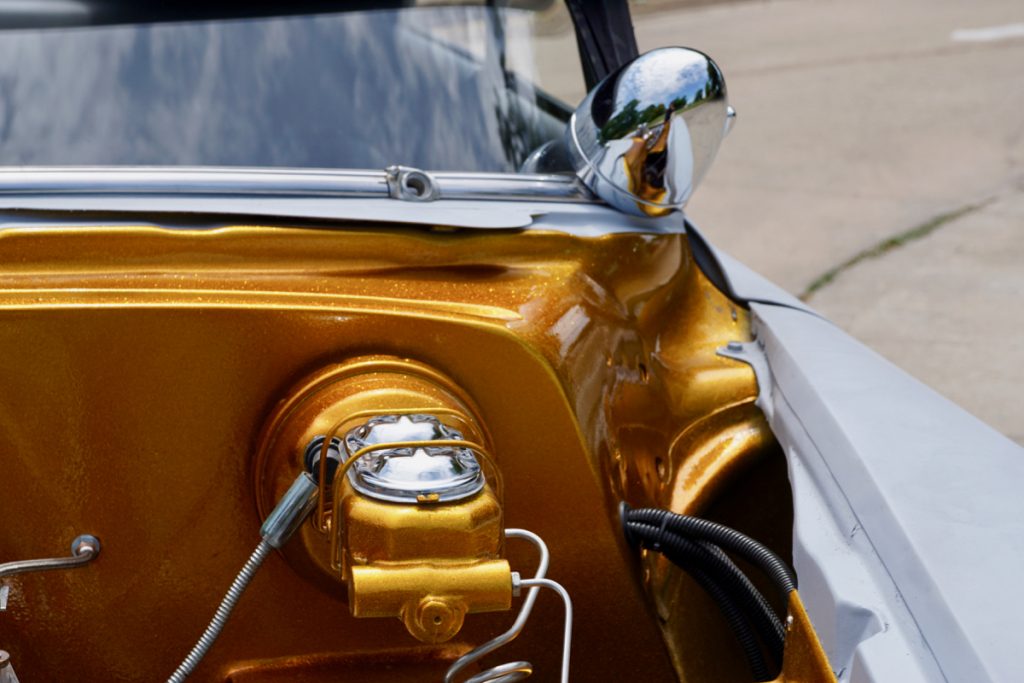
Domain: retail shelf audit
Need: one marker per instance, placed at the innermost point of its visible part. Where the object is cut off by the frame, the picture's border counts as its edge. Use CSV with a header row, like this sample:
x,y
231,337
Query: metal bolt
x,y
86,544
734,346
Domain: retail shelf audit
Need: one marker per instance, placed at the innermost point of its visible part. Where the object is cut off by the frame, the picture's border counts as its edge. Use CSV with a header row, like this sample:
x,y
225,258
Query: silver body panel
x,y
909,521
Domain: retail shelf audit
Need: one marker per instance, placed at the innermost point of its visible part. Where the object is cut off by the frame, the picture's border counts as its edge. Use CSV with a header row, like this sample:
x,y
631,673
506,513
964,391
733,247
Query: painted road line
x,y
988,34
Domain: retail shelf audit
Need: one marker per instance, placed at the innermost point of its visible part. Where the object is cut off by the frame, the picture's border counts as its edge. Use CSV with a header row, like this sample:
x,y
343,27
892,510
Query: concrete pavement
x,y
947,308
866,122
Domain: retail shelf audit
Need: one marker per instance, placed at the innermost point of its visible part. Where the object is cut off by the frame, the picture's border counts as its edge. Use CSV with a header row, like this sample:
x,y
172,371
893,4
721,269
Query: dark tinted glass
x,y
422,87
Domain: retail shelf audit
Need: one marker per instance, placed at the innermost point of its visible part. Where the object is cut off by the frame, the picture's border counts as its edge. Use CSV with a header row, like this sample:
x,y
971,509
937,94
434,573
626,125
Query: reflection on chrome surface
x,y
645,135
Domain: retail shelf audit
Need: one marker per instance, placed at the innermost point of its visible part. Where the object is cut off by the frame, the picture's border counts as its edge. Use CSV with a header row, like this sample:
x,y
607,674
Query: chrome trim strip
x,y
263,182
512,185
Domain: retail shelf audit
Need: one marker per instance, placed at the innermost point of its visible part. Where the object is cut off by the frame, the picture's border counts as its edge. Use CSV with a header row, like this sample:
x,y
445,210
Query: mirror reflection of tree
x,y
630,117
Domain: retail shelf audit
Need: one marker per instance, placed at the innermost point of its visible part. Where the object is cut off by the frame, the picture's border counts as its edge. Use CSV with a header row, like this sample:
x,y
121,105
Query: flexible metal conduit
x,y
220,618
284,519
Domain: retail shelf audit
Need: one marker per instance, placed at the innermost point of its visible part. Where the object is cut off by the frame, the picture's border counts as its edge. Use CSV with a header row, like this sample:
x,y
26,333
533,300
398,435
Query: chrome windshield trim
x,y
43,198
263,182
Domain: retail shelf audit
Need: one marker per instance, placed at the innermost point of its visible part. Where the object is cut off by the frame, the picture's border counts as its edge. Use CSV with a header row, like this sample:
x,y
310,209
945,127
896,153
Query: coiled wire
x,y
220,617
509,672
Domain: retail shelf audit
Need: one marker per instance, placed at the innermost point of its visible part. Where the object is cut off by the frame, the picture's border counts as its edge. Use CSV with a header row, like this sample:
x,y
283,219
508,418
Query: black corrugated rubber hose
x,y
711,560
729,539
733,615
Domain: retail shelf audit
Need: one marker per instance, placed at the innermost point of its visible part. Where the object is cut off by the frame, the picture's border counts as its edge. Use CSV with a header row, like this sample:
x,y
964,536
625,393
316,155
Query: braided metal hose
x,y
220,618
281,523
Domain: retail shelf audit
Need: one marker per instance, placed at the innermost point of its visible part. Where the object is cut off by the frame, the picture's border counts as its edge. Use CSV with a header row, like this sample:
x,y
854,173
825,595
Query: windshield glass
x,y
444,88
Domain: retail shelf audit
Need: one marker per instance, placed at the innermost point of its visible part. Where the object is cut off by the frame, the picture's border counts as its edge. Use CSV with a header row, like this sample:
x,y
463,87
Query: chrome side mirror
x,y
645,135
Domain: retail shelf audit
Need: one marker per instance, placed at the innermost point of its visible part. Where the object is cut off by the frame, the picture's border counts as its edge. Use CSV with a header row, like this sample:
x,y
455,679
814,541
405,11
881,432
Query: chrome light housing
x,y
645,135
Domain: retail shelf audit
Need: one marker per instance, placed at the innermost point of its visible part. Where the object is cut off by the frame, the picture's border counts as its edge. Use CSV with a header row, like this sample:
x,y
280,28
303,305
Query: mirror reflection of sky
x,y
656,88
347,90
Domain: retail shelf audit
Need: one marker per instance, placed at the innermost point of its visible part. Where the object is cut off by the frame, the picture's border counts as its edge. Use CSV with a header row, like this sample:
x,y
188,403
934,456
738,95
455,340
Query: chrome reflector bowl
x,y
412,474
645,135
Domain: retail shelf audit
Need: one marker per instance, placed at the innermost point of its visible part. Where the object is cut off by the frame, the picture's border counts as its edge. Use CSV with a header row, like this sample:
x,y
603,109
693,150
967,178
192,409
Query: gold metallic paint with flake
x,y
139,368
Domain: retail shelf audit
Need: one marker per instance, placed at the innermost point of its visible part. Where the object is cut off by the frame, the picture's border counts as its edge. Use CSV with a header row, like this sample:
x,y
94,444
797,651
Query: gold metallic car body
x,y
139,368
